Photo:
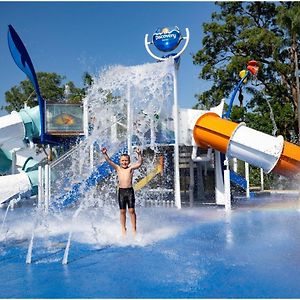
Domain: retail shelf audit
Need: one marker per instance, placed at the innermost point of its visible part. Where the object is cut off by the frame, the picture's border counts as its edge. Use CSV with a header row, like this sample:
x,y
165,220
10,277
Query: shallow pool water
x,y
202,252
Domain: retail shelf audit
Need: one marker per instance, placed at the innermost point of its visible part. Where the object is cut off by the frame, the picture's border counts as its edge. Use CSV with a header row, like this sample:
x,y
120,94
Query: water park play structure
x,y
197,252
125,107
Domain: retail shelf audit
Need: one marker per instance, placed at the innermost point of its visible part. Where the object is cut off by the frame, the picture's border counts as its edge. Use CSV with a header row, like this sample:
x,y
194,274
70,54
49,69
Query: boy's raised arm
x,y
107,158
140,159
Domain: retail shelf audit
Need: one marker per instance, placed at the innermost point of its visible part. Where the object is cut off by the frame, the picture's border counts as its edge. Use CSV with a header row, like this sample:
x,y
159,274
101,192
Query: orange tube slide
x,y
289,161
212,131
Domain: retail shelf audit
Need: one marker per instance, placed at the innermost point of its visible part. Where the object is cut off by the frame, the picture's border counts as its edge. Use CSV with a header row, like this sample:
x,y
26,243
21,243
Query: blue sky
x,y
70,38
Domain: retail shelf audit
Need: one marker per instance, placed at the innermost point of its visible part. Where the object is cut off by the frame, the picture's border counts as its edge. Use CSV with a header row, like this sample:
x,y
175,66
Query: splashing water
x,y
126,106
3,222
275,129
10,205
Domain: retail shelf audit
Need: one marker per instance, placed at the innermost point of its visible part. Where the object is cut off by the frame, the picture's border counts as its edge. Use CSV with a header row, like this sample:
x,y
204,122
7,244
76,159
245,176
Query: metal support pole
x,y
86,118
114,132
219,186
262,184
92,156
49,193
247,180
175,114
235,165
47,188
176,145
129,121
200,190
40,187
152,133
205,169
192,183
13,162
227,185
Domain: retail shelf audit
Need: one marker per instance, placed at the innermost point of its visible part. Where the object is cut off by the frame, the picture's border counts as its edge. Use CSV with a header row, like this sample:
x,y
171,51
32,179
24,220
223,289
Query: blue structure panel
x,y
240,181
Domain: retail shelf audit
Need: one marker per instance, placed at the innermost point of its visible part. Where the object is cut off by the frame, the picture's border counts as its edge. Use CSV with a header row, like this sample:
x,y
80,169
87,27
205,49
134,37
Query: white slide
x,y
16,153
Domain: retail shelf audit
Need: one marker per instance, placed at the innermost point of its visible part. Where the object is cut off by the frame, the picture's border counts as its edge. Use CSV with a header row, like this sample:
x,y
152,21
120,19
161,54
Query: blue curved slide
x,y
240,181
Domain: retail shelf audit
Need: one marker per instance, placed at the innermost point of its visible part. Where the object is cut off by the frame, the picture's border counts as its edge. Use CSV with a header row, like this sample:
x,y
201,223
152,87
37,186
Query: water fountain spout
x,y
67,249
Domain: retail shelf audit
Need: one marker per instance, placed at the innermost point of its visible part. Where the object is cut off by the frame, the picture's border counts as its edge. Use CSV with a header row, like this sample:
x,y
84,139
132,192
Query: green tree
x,y
74,95
239,32
288,17
87,79
52,90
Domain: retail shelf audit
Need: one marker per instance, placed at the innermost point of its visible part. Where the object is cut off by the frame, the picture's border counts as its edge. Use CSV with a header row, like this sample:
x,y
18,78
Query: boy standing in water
x,y
125,189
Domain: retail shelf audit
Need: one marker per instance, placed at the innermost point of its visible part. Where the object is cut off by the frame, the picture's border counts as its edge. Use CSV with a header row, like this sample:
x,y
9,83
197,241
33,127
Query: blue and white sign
x,y
167,39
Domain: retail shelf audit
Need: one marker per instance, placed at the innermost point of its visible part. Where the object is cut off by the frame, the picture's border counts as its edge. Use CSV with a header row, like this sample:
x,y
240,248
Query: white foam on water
x,y
95,228
102,230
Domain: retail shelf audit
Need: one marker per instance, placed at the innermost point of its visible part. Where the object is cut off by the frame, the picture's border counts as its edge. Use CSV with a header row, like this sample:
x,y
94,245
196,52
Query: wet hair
x,y
126,155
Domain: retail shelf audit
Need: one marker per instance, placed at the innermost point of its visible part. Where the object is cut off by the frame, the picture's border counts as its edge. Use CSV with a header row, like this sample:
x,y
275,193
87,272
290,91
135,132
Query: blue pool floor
x,y
202,252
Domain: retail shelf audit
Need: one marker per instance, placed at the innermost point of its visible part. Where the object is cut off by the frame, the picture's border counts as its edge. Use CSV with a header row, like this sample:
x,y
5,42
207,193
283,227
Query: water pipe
x,y
203,158
252,68
227,114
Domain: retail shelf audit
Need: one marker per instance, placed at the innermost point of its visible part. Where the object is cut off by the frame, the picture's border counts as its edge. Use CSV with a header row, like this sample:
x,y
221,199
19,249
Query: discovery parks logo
x,y
167,39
